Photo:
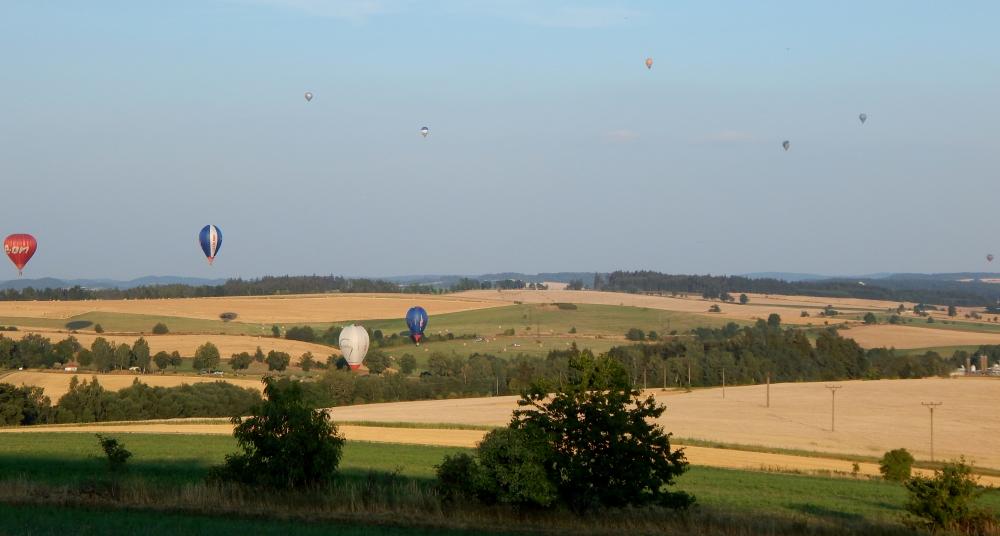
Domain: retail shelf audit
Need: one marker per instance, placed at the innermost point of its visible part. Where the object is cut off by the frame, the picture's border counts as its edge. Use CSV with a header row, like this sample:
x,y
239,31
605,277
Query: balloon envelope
x,y
863,118
416,320
211,241
786,144
649,63
309,96
20,248
425,131
989,257
354,345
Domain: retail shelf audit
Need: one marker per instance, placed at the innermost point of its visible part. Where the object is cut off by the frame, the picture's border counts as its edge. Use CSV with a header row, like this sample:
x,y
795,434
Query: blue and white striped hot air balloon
x,y
211,241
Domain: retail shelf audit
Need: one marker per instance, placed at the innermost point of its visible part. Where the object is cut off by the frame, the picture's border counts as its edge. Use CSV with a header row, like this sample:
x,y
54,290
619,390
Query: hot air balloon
x,y
416,320
309,96
211,241
354,345
649,63
863,118
20,248
989,258
786,144
424,131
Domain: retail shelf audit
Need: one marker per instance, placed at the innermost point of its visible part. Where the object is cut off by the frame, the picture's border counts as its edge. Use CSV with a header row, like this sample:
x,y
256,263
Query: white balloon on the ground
x,y
354,345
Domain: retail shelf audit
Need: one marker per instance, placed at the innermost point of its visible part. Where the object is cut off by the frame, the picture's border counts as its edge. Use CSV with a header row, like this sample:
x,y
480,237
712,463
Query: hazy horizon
x,y
128,126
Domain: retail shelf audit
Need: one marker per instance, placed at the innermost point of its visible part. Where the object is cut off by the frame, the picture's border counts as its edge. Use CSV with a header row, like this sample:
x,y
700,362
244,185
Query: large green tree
x,y
206,357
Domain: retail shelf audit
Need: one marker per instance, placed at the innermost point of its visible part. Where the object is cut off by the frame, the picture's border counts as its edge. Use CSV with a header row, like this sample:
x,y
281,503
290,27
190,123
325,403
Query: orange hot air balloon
x,y
20,248
649,63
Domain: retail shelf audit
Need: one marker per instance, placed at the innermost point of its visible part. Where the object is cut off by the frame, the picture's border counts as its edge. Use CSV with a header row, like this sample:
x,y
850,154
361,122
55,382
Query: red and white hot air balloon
x,y
20,248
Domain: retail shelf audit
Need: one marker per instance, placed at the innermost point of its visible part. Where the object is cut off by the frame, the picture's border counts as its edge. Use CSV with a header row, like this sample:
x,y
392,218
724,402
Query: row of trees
x,y
892,289
88,401
264,286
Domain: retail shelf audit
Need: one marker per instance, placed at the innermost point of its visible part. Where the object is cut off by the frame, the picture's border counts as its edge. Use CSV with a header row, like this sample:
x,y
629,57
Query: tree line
x,y
970,294
264,286
89,401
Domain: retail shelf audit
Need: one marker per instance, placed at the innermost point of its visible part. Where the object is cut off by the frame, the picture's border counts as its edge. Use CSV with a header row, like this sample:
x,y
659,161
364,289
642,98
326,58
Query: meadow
x,y
69,461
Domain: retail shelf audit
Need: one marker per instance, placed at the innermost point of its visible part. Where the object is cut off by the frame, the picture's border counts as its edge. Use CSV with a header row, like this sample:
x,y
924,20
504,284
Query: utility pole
x,y
723,382
768,389
664,375
833,406
689,376
931,406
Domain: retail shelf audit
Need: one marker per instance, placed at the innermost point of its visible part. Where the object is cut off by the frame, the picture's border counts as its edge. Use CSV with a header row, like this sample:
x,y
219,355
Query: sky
x,y
126,126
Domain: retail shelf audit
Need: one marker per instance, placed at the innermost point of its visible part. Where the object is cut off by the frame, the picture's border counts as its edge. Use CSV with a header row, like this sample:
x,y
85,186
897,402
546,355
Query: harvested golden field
x,y
872,416
187,344
735,311
896,336
256,309
56,384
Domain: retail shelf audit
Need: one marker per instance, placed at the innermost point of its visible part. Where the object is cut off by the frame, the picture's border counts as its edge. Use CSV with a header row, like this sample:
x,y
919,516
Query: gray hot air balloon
x,y
863,118
309,96
424,131
786,144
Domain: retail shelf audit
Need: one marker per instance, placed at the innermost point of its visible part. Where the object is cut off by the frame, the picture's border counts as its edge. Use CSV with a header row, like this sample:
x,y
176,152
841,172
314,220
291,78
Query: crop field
x,y
294,309
173,460
871,416
56,384
899,336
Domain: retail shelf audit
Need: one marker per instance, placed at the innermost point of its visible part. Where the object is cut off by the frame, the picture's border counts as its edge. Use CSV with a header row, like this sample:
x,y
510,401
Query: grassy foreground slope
x,y
174,460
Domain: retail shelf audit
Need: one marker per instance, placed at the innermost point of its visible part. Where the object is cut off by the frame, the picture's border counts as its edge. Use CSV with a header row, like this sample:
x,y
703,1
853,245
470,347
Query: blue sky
x,y
126,126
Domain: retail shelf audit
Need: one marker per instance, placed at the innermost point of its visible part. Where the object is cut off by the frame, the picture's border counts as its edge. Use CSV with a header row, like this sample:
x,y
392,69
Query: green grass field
x,y
67,458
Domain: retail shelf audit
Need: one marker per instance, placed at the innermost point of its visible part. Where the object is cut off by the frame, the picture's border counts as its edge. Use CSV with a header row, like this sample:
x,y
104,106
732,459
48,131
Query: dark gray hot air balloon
x,y
309,96
786,144
424,131
989,258
863,118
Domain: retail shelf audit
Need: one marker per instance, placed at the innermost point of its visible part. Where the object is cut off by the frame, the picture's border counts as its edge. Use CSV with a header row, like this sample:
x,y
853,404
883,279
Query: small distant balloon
x,y
989,258
309,96
863,118
424,131
20,248
786,144
210,238
649,63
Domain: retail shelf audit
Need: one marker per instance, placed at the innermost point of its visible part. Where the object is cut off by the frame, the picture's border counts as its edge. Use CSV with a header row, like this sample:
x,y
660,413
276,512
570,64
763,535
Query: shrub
x,y
278,361
455,477
566,306
572,329
98,328
301,333
512,468
870,318
160,329
715,309
946,501
115,452
407,364
896,465
226,317
635,334
285,443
